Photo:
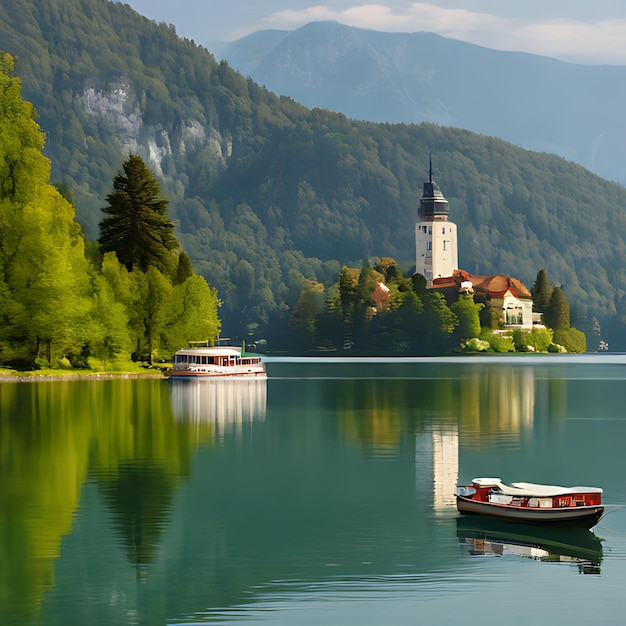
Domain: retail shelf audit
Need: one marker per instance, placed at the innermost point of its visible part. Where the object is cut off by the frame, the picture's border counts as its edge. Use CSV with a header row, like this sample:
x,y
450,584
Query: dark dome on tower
x,y
433,205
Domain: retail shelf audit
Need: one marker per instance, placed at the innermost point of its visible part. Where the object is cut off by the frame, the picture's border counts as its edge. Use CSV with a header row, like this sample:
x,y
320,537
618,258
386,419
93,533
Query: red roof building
x,y
510,300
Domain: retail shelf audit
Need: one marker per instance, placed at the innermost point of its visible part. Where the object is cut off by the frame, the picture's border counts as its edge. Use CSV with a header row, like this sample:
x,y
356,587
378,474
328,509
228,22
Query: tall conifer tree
x,y
542,292
138,229
557,314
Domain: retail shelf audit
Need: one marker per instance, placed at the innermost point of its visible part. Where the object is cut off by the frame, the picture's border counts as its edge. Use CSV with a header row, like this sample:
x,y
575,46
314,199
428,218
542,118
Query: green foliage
x,y
557,315
467,313
572,339
438,324
23,169
170,304
541,292
535,340
303,318
138,229
184,269
110,337
498,342
475,345
404,323
399,331
43,271
56,307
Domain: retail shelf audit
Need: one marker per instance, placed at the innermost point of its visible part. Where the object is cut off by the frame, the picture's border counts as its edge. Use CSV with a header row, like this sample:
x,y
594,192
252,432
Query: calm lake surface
x,y
320,496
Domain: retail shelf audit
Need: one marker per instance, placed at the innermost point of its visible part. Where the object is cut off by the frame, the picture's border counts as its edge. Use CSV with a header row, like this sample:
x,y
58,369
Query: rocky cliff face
x,y
115,109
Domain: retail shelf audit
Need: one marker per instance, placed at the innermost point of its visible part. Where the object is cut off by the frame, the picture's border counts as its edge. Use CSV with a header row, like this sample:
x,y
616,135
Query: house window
x,y
429,245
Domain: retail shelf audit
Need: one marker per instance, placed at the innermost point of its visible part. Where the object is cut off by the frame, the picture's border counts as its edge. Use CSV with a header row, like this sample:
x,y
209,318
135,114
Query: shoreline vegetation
x,y
37,377
8,375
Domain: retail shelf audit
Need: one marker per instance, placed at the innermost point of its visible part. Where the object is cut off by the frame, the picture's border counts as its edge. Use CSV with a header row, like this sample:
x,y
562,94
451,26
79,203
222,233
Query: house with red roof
x,y
509,299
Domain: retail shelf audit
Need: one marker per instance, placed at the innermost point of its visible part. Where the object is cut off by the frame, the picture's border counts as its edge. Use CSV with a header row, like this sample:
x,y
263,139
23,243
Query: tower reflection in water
x,y
226,404
437,467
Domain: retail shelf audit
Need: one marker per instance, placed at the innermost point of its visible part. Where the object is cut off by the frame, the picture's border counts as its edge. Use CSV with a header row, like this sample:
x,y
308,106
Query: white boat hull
x,y
225,373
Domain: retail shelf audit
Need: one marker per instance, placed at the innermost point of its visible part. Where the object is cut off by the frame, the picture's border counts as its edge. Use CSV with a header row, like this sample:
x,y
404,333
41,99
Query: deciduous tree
x,y
43,270
468,314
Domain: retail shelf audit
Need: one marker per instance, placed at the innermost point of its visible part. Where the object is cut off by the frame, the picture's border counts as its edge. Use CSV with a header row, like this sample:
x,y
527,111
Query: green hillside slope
x,y
267,193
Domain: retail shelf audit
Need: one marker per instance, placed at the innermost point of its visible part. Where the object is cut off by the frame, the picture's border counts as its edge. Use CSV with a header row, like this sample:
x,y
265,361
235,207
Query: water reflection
x,y
495,404
437,467
484,537
140,496
344,479
57,437
486,405
227,404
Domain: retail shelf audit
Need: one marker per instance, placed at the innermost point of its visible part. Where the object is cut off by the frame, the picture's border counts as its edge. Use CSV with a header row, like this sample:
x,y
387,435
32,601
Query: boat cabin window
x,y
194,359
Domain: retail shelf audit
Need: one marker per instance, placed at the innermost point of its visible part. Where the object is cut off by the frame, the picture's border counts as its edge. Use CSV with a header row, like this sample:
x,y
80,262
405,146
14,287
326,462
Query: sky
x,y
578,31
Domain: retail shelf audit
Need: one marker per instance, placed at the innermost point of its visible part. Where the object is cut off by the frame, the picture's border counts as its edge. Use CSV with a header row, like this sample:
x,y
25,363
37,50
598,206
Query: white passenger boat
x,y
216,362
531,503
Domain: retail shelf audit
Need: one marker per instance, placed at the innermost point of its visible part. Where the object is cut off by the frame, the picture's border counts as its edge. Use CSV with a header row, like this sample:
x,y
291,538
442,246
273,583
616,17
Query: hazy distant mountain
x,y
536,102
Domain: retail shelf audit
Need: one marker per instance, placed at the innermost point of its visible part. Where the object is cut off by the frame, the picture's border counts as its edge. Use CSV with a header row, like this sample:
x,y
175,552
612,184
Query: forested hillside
x,y
267,193
533,101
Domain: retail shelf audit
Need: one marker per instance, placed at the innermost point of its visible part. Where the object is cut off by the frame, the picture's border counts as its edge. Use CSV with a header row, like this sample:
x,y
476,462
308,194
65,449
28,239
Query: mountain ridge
x,y
425,77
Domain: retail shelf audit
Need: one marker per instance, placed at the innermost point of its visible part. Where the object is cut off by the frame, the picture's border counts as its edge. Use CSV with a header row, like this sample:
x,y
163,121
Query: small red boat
x,y
531,503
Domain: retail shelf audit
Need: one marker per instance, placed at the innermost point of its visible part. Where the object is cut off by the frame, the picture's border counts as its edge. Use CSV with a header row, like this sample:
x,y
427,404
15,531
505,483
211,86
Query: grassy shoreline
x,y
8,375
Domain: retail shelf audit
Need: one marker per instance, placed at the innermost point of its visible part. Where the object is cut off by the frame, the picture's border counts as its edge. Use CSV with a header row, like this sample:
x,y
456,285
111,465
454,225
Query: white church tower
x,y
435,237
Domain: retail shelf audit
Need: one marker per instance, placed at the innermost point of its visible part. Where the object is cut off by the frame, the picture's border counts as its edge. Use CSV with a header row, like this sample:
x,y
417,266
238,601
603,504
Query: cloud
x,y
601,41
414,17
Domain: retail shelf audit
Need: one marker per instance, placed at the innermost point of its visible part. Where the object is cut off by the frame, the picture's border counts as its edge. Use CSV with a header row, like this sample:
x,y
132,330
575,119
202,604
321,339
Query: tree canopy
x,y
138,229
541,292
43,271
56,305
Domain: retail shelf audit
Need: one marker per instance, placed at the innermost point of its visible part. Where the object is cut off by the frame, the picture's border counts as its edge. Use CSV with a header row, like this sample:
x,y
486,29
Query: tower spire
x,y
435,236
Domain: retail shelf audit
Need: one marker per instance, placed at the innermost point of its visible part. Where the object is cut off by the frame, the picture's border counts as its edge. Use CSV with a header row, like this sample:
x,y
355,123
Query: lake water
x,y
320,496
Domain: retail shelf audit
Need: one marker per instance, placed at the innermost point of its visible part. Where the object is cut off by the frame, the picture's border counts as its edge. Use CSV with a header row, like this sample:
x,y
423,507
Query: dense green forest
x,y
63,302
267,195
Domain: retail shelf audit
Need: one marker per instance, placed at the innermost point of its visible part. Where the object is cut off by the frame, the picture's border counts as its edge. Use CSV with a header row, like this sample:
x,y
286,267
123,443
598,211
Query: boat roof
x,y
212,351
533,489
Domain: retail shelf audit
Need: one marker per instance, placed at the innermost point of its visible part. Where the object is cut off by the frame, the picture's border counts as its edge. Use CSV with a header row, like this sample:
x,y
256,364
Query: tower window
x,y
443,231
444,244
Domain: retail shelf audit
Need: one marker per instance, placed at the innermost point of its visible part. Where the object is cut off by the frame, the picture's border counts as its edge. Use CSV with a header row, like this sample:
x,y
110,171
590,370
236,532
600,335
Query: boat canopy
x,y
218,351
527,490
